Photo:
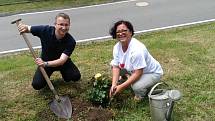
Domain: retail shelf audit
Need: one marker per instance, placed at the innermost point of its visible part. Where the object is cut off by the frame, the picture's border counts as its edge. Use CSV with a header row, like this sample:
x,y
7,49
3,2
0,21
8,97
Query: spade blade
x,y
62,107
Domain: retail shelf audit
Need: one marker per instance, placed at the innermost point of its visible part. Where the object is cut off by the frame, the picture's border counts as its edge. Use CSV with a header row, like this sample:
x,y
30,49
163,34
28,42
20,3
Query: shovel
x,y
61,105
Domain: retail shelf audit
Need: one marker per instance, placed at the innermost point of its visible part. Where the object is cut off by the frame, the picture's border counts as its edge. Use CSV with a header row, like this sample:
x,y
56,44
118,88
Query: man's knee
x,y
74,77
37,86
38,83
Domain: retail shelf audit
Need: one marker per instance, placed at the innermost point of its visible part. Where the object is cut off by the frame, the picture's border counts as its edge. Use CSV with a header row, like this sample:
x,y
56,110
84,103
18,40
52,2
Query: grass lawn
x,y
42,5
186,54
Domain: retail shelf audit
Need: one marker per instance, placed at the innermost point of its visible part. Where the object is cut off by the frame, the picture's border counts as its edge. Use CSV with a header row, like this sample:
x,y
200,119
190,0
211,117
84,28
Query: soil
x,y
82,111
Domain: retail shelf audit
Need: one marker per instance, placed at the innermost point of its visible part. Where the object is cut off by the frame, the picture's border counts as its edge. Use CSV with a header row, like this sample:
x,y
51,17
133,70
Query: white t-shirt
x,y
136,57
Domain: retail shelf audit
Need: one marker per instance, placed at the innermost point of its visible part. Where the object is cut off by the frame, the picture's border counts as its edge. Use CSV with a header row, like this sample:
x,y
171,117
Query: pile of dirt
x,y
84,111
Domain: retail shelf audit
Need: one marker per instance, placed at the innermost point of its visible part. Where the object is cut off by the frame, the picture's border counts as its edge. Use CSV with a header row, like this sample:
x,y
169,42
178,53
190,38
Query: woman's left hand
x,y
119,88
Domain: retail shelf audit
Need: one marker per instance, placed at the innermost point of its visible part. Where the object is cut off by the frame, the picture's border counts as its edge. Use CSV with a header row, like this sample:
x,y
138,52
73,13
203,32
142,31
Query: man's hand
x,y
23,28
40,62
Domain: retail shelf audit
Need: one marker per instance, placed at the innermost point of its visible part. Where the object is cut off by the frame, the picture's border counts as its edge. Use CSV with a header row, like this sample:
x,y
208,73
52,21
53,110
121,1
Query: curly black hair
x,y
112,31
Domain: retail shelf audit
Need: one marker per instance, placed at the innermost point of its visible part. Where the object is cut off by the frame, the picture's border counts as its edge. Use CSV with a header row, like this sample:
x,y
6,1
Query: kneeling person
x,y
132,62
57,46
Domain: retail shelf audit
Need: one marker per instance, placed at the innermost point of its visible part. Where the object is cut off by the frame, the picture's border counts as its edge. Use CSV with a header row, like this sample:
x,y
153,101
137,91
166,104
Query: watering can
x,y
162,102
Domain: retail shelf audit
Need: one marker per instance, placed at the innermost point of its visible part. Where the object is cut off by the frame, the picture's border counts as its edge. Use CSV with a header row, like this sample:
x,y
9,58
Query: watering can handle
x,y
154,88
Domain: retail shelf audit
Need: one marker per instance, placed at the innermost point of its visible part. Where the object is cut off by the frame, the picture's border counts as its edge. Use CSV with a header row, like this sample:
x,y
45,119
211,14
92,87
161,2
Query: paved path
x,y
93,22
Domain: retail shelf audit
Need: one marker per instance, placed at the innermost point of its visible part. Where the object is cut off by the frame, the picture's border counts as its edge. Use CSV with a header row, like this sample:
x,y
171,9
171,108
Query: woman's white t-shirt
x,y
136,57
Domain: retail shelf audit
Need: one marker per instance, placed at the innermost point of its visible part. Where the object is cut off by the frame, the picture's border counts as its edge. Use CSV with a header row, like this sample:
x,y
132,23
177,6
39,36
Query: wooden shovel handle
x,y
40,67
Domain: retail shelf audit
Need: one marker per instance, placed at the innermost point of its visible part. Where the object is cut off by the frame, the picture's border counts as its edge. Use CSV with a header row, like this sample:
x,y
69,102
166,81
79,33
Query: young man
x,y
57,46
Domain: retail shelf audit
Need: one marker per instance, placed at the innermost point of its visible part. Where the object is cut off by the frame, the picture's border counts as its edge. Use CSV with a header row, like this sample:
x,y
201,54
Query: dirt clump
x,y
85,111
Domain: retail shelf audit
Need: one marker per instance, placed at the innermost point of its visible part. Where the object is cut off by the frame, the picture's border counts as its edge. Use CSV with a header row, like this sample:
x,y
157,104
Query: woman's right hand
x,y
112,90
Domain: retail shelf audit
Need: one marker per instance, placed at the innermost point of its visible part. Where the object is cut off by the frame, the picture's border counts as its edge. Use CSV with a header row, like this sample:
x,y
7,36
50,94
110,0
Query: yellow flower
x,y
98,76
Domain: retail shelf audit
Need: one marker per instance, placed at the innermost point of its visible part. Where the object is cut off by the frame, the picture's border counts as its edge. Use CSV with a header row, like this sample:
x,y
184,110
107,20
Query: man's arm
x,y
58,62
54,63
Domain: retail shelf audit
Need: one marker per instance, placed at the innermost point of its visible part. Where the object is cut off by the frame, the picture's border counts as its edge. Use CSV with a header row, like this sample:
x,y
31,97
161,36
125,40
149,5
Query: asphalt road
x,y
93,22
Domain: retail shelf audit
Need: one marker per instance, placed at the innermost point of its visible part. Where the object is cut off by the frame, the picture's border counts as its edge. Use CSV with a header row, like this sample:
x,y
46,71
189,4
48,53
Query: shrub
x,y
99,93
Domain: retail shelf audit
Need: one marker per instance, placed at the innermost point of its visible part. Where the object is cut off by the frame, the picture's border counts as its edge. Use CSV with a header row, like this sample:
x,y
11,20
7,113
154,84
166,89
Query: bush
x,y
99,93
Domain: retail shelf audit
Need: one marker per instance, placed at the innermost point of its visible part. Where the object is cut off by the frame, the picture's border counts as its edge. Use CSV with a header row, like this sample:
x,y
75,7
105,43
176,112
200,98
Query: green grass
x,y
45,5
186,54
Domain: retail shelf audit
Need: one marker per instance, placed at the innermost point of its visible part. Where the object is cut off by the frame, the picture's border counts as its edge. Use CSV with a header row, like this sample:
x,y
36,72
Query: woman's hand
x,y
112,90
115,90
119,88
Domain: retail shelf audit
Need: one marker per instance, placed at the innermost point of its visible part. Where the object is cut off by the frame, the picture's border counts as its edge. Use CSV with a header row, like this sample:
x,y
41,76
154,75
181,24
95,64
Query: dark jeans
x,y
68,71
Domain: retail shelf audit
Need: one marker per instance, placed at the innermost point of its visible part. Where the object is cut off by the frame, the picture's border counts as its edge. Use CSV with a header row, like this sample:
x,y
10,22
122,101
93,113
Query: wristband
x,y
46,64
29,28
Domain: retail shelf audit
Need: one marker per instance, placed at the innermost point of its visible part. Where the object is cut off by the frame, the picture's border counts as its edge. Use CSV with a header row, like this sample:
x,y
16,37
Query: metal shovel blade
x,y
62,108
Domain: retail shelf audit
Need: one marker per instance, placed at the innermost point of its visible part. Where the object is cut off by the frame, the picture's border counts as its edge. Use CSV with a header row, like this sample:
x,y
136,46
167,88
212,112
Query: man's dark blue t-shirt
x,y
52,48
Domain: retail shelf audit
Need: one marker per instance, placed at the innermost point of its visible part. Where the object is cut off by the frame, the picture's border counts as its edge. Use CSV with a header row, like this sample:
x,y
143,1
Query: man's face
x,y
61,27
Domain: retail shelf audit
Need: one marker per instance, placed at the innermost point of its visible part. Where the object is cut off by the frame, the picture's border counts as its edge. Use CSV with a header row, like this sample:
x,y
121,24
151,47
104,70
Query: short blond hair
x,y
63,15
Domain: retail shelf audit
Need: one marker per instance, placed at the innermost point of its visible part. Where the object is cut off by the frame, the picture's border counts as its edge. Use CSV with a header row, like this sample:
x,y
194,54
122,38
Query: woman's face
x,y
123,34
